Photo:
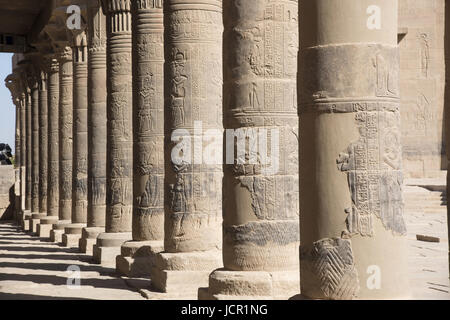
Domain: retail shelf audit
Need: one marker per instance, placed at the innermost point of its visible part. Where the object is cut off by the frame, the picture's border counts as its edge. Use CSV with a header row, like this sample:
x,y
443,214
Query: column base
x,y
72,234
89,238
45,226
58,230
251,285
107,247
183,272
26,220
35,220
136,257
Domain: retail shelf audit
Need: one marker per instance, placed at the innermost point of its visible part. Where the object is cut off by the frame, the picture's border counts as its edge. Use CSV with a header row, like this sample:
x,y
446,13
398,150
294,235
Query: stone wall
x,y
7,180
422,81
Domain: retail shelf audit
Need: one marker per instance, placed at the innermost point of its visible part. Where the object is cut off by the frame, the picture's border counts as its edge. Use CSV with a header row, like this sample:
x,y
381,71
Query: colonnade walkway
x,y
33,268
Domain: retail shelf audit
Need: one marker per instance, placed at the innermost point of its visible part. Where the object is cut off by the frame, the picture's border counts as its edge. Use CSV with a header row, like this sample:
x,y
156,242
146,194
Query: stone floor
x,y
31,268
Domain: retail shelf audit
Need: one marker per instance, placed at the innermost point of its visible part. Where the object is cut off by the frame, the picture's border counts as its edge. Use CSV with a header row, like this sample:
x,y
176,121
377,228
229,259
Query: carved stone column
x,y
36,95
17,158
65,143
148,113
260,227
352,231
96,210
23,149
119,157
193,181
27,212
72,232
53,148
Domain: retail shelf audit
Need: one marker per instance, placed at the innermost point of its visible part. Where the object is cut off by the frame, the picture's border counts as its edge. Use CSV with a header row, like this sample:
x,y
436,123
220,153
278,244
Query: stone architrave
x,y
193,146
352,230
148,112
96,165
46,223
72,232
261,209
119,157
64,57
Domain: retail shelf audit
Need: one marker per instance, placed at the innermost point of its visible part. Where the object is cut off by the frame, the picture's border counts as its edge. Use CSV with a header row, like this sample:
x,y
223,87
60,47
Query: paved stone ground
x,y
31,268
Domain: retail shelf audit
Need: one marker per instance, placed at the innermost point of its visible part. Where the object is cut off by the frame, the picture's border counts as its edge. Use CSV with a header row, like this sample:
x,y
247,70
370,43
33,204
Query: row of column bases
x,y
96,148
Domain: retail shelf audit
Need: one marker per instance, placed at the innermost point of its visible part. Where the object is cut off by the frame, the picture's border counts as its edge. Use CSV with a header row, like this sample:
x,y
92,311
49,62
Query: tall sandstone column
x,y
193,180
53,148
96,165
352,231
36,94
72,233
27,212
260,227
65,142
17,155
148,132
119,158
43,143
23,156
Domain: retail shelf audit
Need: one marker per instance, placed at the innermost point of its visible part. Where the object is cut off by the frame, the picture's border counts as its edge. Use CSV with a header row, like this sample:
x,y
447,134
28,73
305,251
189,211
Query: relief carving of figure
x,y
178,90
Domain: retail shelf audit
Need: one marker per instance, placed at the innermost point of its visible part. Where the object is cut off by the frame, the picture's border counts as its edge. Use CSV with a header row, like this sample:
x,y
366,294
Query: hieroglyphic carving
x,y
373,166
193,54
260,94
424,54
96,116
119,199
53,137
148,85
65,133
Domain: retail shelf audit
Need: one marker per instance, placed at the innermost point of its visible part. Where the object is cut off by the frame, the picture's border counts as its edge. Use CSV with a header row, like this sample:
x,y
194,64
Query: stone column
x,y
119,156
53,148
260,227
65,143
352,231
23,155
72,233
43,153
96,210
27,212
193,181
36,93
17,157
148,113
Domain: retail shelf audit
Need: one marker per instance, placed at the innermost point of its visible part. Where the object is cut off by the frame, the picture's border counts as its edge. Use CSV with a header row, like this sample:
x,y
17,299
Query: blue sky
x,y
7,108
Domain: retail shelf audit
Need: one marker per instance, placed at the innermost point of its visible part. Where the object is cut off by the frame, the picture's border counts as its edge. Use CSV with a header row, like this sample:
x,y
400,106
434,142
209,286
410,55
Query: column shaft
x,y
80,141
53,139
193,102
43,143
119,157
65,134
148,89
96,116
351,213
23,157
28,151
35,149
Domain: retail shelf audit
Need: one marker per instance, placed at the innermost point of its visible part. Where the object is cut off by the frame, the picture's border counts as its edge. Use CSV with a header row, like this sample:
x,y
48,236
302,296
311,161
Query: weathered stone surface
x,y
53,139
422,87
35,145
43,141
96,116
80,128
65,133
351,207
193,96
148,88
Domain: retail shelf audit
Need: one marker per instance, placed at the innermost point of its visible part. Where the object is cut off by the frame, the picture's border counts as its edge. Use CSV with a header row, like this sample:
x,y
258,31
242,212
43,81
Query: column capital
x,y
116,6
64,54
96,27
